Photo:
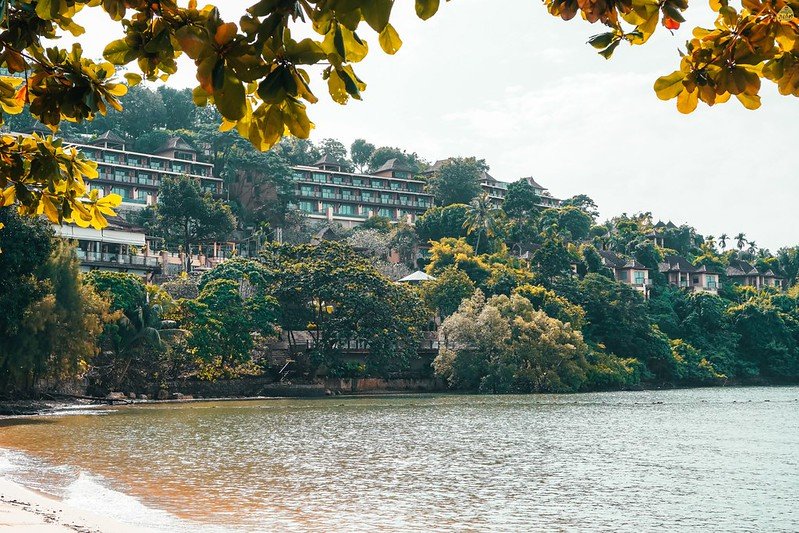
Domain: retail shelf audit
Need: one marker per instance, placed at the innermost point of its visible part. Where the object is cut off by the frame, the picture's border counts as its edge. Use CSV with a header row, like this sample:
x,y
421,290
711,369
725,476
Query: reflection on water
x,y
710,458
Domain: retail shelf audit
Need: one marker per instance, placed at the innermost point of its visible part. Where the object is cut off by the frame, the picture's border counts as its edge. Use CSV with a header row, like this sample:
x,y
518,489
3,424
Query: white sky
x,y
513,85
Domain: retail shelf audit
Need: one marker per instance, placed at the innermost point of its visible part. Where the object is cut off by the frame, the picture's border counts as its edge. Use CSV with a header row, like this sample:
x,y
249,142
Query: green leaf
x,y
426,8
118,52
607,52
601,40
376,13
230,100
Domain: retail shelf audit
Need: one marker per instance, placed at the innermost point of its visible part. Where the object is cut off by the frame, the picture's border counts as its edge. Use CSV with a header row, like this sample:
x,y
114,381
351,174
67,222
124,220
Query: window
x,y
346,209
377,184
358,182
299,176
347,194
122,191
307,190
403,199
638,277
367,196
307,207
328,192
338,180
394,186
385,198
319,177
388,213
185,156
401,174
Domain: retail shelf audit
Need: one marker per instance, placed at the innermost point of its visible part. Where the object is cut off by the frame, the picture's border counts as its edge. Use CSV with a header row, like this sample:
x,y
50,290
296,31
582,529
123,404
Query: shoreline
x,y
23,509
34,408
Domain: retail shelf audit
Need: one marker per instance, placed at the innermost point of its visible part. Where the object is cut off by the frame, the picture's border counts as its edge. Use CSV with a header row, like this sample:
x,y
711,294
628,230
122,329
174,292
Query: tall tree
x,y
521,200
740,241
187,216
361,153
457,181
482,218
179,108
584,203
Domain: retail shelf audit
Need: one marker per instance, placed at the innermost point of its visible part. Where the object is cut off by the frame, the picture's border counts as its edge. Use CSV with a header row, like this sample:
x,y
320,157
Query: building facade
x,y
136,177
324,191
627,271
681,273
743,273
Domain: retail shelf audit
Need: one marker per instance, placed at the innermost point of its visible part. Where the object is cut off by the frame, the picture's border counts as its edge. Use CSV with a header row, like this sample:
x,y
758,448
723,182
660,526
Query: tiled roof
x,y
675,263
741,268
327,159
535,184
391,164
616,261
175,143
109,136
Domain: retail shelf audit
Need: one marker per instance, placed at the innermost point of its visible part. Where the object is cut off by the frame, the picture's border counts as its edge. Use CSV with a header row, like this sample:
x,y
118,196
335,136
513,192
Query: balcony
x,y
123,260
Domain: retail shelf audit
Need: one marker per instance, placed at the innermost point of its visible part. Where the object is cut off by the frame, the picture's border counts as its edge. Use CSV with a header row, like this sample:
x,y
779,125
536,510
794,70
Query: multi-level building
x,y
136,177
627,271
681,273
119,247
743,273
324,191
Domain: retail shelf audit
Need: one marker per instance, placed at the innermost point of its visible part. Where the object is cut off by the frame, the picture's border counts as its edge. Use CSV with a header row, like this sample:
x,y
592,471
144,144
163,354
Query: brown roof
x,y
175,143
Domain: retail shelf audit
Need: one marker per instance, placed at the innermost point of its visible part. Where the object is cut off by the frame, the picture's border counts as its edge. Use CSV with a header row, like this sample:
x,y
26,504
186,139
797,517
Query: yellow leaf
x,y
687,102
390,40
667,87
749,101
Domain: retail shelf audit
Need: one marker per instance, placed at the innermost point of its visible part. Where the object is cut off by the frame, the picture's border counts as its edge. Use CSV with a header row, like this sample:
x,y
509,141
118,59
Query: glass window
x,y
338,180
384,212
377,184
394,186
328,192
307,207
346,209
307,190
319,177
357,182
639,277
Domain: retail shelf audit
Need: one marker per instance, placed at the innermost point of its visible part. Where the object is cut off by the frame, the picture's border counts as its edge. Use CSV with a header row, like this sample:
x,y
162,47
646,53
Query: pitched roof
x,y
741,268
616,261
417,276
175,143
535,184
108,137
676,263
393,164
327,159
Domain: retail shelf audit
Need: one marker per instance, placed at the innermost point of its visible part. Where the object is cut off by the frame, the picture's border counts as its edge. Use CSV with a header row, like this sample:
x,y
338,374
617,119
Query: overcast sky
x,y
507,82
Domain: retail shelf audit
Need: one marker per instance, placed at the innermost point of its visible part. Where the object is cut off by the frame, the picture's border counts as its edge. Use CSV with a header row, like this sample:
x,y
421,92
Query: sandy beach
x,y
22,509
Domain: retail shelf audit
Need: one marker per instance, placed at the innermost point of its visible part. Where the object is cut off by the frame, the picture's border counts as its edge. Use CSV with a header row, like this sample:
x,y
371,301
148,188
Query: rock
x,y
177,396
143,397
328,392
163,394
116,396
132,395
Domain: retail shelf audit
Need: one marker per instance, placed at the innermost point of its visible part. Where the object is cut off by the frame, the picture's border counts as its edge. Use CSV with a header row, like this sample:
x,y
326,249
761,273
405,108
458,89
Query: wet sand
x,y
24,510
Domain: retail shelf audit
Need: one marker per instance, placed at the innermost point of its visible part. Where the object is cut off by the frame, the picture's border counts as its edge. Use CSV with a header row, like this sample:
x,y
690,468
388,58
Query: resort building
x,y
681,273
136,177
743,273
656,235
324,191
119,247
628,271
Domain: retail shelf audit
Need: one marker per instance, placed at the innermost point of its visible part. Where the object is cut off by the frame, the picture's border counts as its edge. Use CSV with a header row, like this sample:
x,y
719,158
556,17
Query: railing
x,y
122,259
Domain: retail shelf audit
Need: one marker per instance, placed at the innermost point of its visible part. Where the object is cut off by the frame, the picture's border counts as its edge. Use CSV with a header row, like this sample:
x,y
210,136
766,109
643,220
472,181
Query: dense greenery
x,y
51,320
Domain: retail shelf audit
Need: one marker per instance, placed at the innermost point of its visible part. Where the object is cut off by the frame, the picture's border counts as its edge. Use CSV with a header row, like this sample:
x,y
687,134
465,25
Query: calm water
x,y
711,459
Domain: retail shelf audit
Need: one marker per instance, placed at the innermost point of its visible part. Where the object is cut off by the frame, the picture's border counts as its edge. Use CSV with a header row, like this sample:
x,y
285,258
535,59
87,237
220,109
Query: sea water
x,y
700,459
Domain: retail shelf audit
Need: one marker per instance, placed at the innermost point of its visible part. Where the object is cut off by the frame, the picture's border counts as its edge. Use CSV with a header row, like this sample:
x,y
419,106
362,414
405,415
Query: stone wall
x,y
355,385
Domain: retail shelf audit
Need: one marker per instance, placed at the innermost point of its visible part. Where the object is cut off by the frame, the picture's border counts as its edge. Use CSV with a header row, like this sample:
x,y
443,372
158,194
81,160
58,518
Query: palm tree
x,y
740,241
482,217
710,240
723,241
752,247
